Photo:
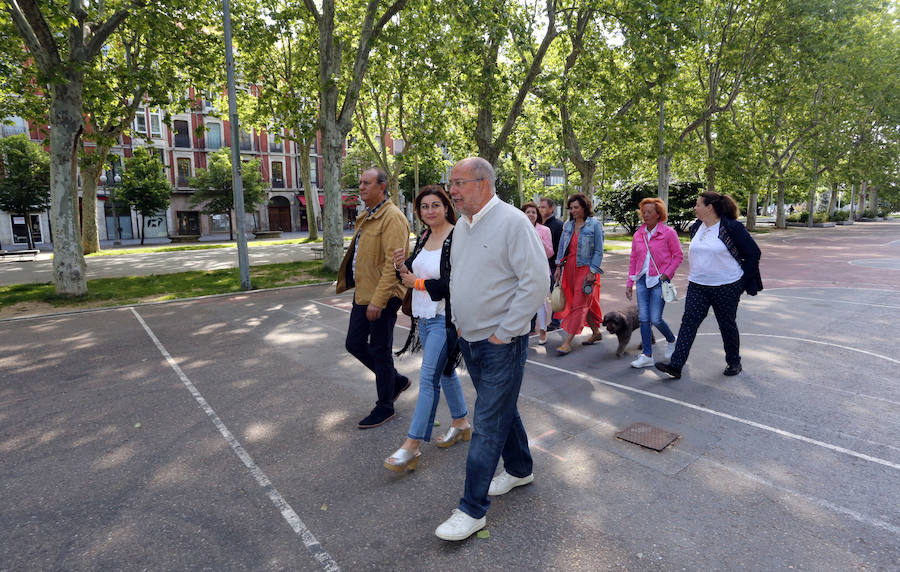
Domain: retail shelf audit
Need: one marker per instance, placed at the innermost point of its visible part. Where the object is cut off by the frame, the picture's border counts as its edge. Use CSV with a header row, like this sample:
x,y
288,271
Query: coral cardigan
x,y
664,246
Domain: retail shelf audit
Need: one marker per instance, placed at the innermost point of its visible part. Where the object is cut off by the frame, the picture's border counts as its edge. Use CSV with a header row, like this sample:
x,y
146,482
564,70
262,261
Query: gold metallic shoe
x,y
403,460
453,435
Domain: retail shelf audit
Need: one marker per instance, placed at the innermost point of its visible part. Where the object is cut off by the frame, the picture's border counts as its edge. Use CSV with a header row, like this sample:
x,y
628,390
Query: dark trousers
x,y
496,371
372,343
724,301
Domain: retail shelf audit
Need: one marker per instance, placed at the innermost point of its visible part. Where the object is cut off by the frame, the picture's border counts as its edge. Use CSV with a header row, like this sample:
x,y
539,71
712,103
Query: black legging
x,y
724,301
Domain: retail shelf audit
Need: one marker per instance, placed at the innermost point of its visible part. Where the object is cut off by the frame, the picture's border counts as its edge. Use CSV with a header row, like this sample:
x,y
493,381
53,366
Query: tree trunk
x,y
520,182
873,200
230,225
779,206
143,224
853,201
751,209
333,241
663,163
710,152
90,235
832,199
28,231
862,197
587,171
308,192
66,123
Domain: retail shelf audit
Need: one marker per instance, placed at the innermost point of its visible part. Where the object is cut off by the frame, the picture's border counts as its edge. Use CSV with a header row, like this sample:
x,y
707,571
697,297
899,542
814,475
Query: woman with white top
x,y
724,262
655,256
427,273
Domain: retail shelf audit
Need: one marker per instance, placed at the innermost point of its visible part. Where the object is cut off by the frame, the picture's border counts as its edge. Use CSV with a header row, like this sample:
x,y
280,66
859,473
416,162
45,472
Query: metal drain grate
x,y
647,436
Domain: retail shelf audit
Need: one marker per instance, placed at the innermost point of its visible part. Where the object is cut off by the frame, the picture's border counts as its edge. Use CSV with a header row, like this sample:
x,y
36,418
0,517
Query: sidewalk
x,y
146,263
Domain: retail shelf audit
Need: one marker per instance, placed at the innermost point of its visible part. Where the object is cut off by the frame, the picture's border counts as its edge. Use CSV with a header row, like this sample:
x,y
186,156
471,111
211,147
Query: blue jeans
x,y
650,310
433,335
496,371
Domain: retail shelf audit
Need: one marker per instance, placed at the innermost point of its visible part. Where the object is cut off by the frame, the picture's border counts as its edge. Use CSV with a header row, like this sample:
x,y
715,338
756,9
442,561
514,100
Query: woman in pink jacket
x,y
646,272
544,313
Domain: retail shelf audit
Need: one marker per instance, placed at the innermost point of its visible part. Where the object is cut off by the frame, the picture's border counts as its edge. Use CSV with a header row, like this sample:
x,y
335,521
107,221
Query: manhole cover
x,y
647,436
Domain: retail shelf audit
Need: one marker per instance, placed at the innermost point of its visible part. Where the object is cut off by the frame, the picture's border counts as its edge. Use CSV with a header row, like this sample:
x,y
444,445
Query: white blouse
x,y
427,265
711,263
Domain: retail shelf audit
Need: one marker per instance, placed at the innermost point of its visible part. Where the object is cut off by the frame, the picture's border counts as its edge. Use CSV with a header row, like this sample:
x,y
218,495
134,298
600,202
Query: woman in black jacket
x,y
724,261
427,273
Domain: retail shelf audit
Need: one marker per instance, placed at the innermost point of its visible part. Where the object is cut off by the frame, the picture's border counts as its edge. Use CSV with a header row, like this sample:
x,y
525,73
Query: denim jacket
x,y
590,244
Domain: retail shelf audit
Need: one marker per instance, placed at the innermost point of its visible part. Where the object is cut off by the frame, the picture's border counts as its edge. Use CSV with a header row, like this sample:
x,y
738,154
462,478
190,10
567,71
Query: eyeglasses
x,y
457,183
437,205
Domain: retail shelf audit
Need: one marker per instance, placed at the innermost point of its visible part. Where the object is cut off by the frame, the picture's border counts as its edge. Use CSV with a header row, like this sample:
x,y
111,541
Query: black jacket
x,y
743,248
556,227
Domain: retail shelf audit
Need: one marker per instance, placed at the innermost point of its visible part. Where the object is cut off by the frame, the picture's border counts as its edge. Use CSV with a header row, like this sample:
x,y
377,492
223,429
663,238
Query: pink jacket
x,y
664,246
546,238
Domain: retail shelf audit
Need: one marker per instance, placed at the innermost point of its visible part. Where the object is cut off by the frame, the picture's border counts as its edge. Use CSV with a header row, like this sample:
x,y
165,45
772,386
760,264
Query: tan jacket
x,y
376,238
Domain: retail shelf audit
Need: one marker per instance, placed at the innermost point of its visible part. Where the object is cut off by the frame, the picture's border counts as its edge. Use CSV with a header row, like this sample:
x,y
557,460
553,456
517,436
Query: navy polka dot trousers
x,y
724,301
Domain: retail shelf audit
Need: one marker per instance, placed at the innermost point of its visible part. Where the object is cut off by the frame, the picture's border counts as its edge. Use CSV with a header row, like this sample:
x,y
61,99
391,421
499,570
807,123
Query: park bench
x,y
19,255
267,234
185,238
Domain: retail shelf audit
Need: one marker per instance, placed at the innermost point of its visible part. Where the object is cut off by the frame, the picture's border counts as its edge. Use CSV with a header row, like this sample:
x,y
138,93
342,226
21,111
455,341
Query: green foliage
x,y
24,176
838,216
214,189
432,169
144,185
621,204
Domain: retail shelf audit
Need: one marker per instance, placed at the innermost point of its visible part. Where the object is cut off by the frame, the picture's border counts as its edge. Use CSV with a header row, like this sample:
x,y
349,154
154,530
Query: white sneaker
x,y
642,361
459,526
670,348
504,482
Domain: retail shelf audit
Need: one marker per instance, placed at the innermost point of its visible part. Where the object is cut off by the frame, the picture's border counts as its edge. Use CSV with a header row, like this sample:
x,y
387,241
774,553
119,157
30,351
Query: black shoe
x,y
733,369
379,416
552,327
401,384
675,372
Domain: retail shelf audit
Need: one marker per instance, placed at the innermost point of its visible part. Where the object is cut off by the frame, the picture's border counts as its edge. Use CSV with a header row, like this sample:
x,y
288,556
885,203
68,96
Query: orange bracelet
x,y
420,284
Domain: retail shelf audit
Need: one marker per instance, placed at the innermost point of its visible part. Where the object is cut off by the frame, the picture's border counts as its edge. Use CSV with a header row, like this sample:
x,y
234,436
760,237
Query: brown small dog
x,y
622,323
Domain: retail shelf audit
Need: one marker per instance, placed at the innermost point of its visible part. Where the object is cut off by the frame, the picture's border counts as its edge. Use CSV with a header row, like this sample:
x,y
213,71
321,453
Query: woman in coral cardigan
x,y
646,274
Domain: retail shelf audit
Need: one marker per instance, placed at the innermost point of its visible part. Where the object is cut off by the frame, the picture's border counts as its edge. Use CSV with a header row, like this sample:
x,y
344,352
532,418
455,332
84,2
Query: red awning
x,y
302,199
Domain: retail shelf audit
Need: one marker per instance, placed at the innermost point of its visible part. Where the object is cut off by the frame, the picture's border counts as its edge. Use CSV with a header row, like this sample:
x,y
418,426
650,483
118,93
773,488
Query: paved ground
x,y
220,433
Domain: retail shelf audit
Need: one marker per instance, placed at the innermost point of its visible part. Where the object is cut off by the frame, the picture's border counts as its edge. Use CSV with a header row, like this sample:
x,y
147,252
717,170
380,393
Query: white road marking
x,y
736,419
807,340
287,512
836,301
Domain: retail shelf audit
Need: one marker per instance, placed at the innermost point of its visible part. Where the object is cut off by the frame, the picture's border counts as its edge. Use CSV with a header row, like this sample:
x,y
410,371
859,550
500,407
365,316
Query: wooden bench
x,y
267,234
27,255
185,238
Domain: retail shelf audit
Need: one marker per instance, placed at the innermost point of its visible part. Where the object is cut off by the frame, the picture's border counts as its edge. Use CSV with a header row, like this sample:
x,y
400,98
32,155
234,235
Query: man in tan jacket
x,y
368,267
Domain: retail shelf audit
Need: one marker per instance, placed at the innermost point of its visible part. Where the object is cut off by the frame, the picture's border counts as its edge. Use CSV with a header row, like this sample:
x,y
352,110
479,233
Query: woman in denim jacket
x,y
578,267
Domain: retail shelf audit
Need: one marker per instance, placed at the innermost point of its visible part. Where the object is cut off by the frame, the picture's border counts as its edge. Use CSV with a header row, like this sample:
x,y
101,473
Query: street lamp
x,y
111,191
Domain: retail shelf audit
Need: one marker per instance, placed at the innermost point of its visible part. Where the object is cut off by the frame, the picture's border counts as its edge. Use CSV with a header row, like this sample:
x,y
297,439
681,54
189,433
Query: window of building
x,y
314,172
214,137
188,222
183,171
246,141
556,176
218,223
140,122
155,123
14,126
275,145
277,175
182,133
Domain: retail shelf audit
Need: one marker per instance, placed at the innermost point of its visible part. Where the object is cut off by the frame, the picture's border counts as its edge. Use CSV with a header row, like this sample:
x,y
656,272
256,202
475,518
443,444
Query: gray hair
x,y
481,168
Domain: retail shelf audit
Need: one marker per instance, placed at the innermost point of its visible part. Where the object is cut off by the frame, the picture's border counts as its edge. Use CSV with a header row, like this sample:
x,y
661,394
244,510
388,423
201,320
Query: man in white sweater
x,y
498,279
